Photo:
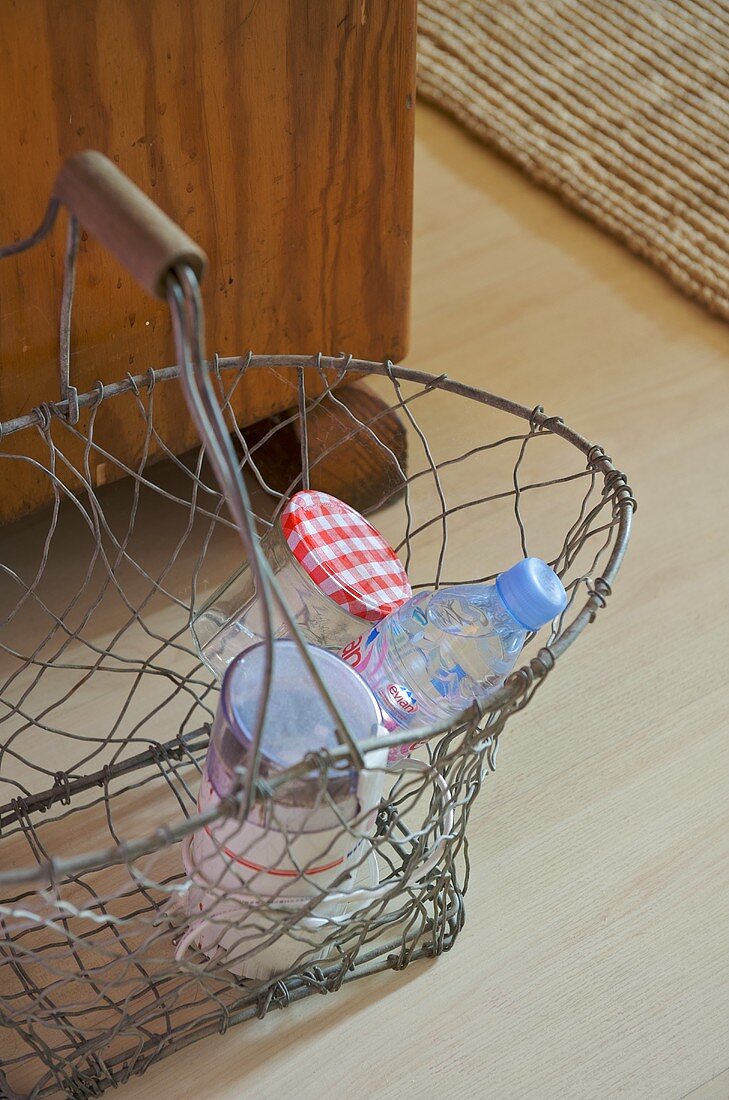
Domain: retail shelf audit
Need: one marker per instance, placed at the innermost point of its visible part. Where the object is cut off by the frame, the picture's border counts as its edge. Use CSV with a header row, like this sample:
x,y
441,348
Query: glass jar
x,y
305,836
336,574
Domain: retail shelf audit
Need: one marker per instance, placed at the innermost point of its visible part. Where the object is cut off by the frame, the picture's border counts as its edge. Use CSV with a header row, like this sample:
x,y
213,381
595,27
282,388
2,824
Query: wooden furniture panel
x,y
278,134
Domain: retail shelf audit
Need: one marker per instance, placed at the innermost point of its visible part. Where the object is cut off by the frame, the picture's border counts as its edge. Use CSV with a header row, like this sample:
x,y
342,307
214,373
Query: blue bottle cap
x,y
532,593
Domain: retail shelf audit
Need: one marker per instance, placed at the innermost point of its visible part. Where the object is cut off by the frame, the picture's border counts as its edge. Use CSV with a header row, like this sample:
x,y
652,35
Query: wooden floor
x,y
595,961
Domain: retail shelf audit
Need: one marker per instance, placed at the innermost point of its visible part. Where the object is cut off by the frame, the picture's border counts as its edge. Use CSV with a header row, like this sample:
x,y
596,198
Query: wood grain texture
x,y
593,963
127,222
277,134
715,1089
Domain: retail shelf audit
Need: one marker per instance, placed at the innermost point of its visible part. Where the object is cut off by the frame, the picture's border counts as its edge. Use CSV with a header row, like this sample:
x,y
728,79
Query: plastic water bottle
x,y
440,650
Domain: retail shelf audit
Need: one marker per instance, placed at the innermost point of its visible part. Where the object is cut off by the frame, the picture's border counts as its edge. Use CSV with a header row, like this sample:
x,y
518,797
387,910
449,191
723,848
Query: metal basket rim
x,y
53,870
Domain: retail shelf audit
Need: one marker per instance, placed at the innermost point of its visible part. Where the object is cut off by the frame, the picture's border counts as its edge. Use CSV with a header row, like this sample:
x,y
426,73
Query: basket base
x,y
90,976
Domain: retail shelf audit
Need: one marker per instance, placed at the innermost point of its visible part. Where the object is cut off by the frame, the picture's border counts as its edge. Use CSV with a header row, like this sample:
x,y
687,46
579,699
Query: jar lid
x,y
285,738
344,555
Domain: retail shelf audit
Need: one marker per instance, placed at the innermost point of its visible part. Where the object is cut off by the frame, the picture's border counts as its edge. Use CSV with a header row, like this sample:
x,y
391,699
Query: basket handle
x,y
126,221
170,265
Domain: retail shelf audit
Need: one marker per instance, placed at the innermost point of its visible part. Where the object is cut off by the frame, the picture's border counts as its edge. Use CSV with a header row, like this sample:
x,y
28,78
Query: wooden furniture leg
x,y
357,448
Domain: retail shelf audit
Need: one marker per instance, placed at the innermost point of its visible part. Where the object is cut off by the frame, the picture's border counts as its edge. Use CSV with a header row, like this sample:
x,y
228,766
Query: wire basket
x,y
106,706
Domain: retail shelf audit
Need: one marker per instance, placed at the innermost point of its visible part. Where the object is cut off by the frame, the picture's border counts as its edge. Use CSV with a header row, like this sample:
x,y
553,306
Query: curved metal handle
x,y
126,221
169,265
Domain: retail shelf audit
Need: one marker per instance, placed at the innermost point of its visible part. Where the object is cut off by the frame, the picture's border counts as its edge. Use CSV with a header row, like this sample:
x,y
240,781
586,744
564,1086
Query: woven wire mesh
x,y
106,711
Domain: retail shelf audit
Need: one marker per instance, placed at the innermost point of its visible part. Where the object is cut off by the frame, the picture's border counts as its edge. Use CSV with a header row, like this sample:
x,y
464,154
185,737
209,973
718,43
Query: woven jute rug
x,y
619,106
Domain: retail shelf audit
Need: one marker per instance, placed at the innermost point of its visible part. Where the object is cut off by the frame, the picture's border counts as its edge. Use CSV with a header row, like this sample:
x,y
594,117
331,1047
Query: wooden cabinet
x,y
278,133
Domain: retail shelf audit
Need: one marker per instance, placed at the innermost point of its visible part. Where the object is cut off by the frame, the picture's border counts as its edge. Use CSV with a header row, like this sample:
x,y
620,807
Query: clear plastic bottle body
x,y
431,658
233,618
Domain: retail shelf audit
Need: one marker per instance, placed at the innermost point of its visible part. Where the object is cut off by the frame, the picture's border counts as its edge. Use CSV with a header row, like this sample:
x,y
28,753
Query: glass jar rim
x,y
240,727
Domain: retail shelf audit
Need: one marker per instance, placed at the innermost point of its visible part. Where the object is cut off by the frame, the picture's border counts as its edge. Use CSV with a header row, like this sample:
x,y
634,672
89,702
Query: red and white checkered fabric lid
x,y
344,555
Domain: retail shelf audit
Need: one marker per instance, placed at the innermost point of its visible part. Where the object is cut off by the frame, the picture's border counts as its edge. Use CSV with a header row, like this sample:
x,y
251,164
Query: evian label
x,y
401,698
395,699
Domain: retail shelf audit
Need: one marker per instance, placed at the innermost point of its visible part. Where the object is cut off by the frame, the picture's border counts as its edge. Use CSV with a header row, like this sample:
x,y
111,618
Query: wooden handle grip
x,y
126,221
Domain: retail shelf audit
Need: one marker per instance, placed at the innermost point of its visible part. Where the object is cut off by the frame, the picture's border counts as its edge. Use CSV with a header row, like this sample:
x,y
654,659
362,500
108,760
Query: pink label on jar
x,y
362,655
